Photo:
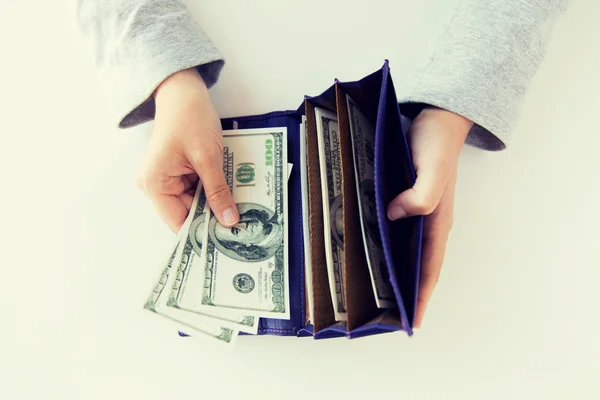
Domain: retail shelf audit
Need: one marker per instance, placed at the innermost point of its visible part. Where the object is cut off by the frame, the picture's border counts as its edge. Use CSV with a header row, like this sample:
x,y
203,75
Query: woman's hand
x,y
186,144
436,138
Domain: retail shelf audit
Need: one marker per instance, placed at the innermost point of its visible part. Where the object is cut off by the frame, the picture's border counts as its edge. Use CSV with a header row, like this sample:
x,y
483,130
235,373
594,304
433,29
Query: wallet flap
x,y
395,172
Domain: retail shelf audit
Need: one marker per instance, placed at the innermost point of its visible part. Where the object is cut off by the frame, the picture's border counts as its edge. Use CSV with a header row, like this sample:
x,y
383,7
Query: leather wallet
x,y
401,240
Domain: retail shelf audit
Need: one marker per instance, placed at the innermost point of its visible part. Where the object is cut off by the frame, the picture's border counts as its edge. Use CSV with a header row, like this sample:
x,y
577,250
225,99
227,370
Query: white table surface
x,y
515,314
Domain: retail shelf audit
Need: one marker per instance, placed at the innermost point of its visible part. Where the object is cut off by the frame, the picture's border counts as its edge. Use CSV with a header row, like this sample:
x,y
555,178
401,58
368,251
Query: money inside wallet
x,y
314,253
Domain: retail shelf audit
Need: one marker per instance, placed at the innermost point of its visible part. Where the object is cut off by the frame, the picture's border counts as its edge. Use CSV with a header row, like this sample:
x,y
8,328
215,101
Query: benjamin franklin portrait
x,y
257,236
336,215
369,210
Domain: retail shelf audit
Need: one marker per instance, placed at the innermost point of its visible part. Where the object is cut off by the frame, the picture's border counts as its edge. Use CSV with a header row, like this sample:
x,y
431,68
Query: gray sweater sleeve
x,y
484,62
136,44
481,68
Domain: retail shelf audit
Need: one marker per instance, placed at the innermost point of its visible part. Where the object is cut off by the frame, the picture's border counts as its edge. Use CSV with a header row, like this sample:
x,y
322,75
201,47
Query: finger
x,y
436,232
209,166
431,264
436,139
187,199
189,182
424,196
172,209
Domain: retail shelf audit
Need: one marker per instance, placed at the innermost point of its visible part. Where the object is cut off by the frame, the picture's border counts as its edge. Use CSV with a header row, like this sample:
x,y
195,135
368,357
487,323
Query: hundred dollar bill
x,y
306,217
244,269
363,140
331,187
191,244
191,323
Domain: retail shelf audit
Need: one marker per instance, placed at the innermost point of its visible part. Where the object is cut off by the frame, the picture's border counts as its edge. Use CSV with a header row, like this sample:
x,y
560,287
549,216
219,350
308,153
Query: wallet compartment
x,y
394,170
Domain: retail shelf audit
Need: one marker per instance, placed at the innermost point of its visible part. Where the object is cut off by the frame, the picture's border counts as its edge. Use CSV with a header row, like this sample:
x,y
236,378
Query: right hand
x,y
186,144
436,138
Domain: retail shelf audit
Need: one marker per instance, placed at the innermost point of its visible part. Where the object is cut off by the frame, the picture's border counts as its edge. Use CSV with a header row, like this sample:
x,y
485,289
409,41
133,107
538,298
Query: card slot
x,y
360,299
365,94
322,304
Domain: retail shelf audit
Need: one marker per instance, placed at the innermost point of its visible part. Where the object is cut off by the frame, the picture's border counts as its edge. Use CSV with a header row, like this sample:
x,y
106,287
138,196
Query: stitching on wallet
x,y
264,116
263,330
330,335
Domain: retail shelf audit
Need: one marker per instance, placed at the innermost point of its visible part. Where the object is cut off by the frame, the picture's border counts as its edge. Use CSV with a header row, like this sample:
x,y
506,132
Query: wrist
x,y
458,125
182,83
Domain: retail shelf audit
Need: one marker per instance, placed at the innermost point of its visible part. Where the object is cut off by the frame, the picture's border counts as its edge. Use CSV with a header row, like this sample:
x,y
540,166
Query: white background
x,y
515,314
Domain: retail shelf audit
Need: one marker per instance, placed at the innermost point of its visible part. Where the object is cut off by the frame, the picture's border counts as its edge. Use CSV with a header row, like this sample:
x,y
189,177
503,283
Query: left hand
x,y
436,138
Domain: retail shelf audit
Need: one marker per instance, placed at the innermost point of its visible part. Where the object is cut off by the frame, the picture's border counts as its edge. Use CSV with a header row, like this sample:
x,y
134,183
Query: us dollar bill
x,y
191,245
331,187
243,270
191,323
362,133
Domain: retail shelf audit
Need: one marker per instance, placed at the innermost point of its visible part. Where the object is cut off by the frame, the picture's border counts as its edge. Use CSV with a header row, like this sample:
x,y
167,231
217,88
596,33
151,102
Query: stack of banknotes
x,y
220,281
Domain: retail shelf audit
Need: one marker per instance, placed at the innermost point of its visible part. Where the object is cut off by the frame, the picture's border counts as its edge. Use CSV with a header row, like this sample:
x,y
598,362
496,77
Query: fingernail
x,y
396,212
229,216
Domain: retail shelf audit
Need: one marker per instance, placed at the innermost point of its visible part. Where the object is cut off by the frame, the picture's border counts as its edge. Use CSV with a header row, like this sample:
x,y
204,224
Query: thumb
x,y
209,167
437,137
423,197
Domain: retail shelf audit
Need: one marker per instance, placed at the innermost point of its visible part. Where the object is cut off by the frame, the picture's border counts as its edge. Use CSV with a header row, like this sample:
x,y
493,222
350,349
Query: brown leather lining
x,y
389,317
323,306
360,299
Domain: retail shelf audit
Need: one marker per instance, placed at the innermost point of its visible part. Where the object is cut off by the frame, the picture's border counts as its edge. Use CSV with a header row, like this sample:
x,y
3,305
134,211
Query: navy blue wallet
x,y
401,240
